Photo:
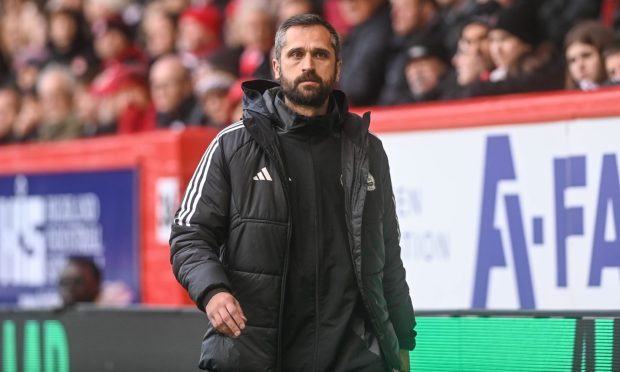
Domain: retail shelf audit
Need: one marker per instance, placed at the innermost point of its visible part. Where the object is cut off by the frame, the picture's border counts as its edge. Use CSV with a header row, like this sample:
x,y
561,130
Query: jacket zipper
x,y
284,180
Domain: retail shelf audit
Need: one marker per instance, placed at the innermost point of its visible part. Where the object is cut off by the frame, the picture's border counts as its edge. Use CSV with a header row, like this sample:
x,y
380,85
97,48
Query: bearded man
x,y
287,236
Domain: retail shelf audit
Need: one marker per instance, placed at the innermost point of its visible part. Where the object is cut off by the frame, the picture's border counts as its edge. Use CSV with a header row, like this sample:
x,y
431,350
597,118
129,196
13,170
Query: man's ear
x,y
276,68
338,68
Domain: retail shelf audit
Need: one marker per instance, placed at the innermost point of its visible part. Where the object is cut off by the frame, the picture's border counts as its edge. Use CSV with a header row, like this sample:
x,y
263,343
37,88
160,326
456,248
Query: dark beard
x,y
315,97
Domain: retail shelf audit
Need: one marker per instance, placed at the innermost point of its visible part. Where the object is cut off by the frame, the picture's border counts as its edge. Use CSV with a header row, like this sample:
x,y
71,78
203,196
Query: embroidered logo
x,y
371,183
262,175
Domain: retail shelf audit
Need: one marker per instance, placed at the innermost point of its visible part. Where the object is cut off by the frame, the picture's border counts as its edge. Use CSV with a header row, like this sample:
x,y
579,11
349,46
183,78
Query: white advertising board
x,y
510,217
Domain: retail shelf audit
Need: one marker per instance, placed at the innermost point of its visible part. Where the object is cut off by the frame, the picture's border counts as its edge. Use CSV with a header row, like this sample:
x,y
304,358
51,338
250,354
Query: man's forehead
x,y
302,36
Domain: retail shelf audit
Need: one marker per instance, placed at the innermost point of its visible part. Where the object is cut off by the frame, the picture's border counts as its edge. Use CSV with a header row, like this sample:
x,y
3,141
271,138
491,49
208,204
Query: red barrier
x,y
513,109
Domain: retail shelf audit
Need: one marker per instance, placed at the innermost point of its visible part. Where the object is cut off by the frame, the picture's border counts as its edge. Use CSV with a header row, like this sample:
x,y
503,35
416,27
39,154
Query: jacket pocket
x,y
218,352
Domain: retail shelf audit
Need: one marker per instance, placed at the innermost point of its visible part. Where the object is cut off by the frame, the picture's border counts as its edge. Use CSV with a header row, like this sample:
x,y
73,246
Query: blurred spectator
x,y
9,109
288,8
235,101
584,47
428,71
79,281
256,26
558,16
413,21
25,128
473,61
455,13
55,89
123,102
175,7
612,63
160,31
364,49
172,94
97,10
213,93
114,43
199,34
523,61
69,43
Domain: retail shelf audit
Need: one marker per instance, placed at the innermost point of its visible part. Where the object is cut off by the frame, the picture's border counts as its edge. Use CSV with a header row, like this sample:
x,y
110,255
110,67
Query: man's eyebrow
x,y
313,50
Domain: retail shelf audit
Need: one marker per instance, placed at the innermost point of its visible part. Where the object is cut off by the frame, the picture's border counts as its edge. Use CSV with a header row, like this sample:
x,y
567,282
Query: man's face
x,y
308,68
423,74
169,85
77,284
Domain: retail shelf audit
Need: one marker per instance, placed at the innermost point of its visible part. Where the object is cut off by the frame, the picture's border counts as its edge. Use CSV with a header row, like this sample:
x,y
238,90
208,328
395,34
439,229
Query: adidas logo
x,y
262,175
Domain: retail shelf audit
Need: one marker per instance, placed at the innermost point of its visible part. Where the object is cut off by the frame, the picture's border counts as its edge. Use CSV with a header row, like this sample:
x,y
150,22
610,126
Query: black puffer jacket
x,y
233,231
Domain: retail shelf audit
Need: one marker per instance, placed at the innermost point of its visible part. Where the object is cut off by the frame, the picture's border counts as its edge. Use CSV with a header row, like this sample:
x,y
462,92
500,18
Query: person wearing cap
x,y
212,91
428,72
412,21
123,102
199,34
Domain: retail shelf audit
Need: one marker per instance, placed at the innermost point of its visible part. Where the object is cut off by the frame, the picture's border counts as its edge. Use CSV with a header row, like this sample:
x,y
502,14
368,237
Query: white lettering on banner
x,y
167,193
38,231
530,215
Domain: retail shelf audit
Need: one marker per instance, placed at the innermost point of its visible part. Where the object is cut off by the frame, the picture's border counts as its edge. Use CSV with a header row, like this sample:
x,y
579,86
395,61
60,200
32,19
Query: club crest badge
x,y
371,183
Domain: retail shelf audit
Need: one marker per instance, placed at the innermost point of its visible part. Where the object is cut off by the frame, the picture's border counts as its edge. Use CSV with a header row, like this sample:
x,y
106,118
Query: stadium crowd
x,y
83,68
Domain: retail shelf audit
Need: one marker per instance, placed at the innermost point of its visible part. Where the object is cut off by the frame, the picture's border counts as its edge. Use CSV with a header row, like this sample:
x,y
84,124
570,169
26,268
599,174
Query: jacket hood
x,y
259,97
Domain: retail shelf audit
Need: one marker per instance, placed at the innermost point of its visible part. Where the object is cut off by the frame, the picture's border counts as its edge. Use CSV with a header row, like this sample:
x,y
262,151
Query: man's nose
x,y
307,63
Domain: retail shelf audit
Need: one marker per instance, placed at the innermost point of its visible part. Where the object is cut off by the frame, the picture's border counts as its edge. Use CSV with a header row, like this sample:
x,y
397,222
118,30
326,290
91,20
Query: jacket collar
x,y
259,103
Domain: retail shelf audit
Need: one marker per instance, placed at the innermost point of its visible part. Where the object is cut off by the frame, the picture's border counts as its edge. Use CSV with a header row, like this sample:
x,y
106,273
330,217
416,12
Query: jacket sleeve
x,y
200,228
395,285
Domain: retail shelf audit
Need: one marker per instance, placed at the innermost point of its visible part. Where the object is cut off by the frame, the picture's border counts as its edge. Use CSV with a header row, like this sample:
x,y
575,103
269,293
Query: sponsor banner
x,y
510,217
45,218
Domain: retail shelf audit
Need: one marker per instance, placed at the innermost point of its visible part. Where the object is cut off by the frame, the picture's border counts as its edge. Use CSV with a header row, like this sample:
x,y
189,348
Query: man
x,y
428,72
173,94
287,236
79,281
59,121
364,50
413,21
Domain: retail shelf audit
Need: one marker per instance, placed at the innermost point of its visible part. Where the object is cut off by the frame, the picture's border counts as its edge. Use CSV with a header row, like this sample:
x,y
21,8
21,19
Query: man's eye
x,y
297,54
320,55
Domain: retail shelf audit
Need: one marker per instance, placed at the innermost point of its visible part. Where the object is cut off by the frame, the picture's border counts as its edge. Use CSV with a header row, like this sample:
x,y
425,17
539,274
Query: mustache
x,y
309,75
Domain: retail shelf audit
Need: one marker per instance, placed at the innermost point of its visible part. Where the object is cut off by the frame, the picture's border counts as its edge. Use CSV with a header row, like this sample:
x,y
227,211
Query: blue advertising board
x,y
46,218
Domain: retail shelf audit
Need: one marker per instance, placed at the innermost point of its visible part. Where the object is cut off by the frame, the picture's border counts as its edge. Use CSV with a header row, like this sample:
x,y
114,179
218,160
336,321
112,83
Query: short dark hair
x,y
88,263
305,20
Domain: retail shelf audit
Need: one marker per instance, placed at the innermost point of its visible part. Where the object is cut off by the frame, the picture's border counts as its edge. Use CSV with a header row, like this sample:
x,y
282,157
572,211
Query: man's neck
x,y
307,110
